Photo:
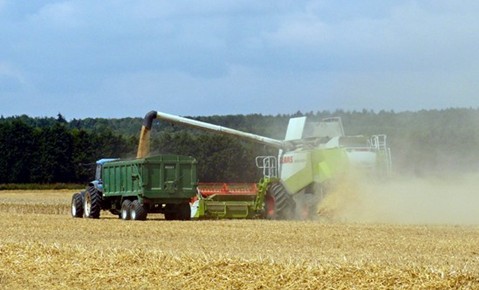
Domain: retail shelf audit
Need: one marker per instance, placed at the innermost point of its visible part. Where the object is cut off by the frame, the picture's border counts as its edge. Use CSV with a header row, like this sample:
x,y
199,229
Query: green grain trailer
x,y
133,188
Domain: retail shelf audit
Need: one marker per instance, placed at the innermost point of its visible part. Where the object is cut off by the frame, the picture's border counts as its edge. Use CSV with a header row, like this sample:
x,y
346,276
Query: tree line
x,y
52,150
53,153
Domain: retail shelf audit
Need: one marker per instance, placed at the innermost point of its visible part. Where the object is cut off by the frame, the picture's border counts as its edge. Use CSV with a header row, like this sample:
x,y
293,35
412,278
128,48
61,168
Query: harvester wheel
x,y
270,207
278,204
306,207
92,203
184,211
125,210
77,205
137,211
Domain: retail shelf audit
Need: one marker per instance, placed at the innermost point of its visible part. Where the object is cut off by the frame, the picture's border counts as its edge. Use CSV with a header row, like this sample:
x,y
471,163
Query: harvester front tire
x,y
125,212
77,205
137,211
92,203
306,206
278,204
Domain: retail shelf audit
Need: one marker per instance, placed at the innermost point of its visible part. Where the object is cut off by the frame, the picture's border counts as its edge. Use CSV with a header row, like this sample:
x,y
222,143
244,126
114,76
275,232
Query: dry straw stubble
x,y
56,251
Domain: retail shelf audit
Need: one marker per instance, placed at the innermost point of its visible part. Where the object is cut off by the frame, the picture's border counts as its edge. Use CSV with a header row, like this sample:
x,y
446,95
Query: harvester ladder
x,y
269,165
379,143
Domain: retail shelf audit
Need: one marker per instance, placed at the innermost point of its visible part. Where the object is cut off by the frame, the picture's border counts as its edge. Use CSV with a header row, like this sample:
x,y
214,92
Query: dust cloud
x,y
405,200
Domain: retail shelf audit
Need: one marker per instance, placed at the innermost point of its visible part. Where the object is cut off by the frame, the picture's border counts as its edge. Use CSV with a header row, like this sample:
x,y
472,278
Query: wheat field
x,y
42,247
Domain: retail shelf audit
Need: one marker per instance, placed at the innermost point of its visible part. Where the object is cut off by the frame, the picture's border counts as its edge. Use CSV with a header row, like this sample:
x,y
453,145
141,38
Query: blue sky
x,y
85,58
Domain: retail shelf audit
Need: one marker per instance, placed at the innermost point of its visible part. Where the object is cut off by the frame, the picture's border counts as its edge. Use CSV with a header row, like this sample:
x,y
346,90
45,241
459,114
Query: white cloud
x,y
302,30
13,75
242,55
407,37
60,15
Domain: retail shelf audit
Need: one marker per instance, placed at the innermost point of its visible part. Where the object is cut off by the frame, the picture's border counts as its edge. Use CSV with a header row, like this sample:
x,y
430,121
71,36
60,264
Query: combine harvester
x,y
311,158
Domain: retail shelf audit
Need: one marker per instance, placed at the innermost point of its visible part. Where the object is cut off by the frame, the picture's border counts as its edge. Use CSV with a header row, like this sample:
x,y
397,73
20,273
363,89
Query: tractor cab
x,y
98,173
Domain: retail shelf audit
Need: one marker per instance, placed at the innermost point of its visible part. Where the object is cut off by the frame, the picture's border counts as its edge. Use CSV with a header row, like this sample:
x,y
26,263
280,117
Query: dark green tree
x,y
54,155
17,147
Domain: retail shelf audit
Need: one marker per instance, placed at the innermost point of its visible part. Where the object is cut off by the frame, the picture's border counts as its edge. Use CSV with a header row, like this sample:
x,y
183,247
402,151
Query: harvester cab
x,y
310,158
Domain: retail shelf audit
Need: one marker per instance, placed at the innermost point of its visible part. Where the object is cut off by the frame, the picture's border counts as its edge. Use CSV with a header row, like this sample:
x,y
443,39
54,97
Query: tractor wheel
x,y
137,211
125,213
278,204
77,205
92,203
183,211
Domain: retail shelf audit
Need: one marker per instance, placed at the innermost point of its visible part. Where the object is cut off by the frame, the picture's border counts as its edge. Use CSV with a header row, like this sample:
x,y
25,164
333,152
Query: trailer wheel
x,y
183,211
170,212
278,204
92,203
137,211
125,210
77,205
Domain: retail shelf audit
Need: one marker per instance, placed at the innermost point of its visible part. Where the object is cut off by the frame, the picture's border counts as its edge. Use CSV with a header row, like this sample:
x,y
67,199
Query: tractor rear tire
x,y
137,211
125,213
77,205
92,203
278,203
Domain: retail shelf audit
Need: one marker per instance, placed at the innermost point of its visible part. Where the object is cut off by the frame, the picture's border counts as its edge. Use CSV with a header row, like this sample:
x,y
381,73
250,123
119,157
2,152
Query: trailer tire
x,y
125,213
278,204
183,211
137,211
77,205
171,212
92,203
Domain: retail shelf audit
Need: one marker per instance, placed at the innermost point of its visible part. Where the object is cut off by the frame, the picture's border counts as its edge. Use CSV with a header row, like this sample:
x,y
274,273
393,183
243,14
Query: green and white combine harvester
x,y
311,158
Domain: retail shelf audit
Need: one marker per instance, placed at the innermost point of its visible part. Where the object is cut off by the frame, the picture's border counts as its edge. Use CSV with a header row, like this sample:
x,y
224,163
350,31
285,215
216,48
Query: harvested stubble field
x,y
42,247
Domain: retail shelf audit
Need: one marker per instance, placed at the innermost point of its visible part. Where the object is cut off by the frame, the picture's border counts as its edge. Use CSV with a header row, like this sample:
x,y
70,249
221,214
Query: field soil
x,y
43,247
